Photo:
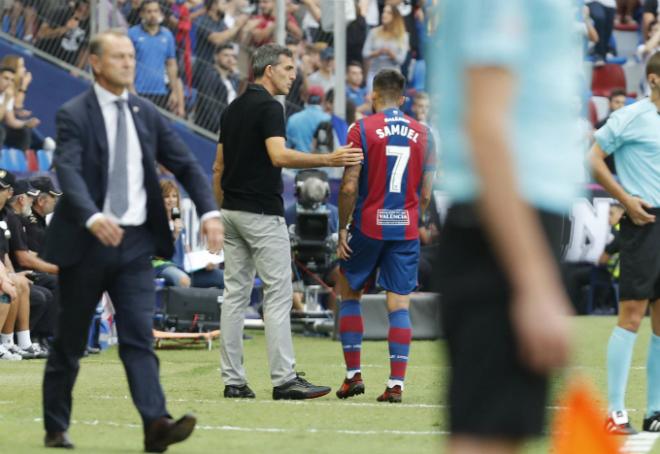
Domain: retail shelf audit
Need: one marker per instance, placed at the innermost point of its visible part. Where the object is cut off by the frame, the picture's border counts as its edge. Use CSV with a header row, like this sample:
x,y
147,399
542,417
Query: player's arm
x,y
281,156
348,193
218,170
634,205
427,191
538,300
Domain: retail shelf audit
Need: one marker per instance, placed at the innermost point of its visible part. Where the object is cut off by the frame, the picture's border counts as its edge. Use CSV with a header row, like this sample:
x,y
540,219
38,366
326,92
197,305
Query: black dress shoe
x,y
165,431
299,388
58,440
240,392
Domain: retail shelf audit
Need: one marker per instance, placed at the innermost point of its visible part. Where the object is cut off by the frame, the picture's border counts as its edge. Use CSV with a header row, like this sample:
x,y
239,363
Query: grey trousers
x,y
256,242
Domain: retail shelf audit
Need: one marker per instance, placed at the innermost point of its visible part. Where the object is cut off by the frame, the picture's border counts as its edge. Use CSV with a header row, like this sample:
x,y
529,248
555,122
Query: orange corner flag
x,y
580,426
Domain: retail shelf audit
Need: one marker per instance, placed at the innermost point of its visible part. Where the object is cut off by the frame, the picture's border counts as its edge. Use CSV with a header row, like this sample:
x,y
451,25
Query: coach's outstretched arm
x,y
539,302
281,156
634,205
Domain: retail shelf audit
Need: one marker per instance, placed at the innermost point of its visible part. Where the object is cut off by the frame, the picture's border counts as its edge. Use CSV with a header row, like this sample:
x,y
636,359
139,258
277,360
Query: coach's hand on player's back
x,y
107,231
540,320
635,210
345,156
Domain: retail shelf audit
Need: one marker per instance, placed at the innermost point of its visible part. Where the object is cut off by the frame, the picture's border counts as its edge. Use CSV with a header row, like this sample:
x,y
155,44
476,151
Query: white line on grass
x,y
640,443
96,422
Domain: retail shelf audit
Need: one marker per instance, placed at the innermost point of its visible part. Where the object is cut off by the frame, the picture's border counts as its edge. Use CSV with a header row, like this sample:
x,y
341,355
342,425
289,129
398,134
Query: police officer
x,y
43,205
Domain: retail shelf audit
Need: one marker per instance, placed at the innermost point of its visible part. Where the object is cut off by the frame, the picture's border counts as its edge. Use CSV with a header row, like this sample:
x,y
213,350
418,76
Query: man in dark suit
x,y
109,222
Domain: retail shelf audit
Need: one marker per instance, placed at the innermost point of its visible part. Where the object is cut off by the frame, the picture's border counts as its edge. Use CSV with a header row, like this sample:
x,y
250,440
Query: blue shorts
x,y
398,262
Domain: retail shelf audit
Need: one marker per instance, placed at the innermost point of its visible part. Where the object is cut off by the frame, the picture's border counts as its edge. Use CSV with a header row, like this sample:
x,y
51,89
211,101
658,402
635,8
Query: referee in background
x,y
247,179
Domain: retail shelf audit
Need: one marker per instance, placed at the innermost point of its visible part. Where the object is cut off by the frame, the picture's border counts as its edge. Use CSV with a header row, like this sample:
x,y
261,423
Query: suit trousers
x,y
256,242
125,272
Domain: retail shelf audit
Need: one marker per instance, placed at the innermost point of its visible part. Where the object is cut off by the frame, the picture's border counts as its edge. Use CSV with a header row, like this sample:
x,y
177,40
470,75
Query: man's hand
x,y
32,123
107,231
72,23
213,232
635,209
345,156
8,288
343,250
27,274
27,80
539,315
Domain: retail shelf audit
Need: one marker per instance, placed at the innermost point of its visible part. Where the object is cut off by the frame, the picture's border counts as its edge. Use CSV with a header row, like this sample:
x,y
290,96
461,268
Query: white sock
x,y
23,338
392,383
351,373
7,339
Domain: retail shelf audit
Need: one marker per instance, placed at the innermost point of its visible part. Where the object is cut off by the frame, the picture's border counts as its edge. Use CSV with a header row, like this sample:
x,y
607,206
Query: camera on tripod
x,y
312,244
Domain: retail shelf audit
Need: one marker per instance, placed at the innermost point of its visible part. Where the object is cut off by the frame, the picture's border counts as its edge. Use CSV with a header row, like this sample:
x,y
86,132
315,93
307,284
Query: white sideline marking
x,y
640,443
284,402
96,422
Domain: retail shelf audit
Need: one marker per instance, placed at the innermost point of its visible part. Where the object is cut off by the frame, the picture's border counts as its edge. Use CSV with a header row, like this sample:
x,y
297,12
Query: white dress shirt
x,y
137,195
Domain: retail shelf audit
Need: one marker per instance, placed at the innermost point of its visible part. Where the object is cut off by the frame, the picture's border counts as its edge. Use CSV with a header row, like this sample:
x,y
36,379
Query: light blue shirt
x,y
301,127
151,54
537,42
632,134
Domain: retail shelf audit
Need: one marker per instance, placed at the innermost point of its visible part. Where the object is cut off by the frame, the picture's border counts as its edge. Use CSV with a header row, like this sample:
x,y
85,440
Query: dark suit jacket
x,y
81,164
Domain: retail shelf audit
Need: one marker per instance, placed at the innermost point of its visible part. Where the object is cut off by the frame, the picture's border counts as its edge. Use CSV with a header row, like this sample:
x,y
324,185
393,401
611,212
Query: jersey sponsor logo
x,y
392,217
397,130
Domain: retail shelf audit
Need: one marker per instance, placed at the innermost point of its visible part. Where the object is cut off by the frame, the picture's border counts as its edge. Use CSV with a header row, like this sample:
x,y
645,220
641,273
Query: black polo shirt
x,y
250,181
18,239
35,226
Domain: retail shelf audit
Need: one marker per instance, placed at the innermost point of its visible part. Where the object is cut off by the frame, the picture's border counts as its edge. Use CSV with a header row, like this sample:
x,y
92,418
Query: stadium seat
x,y
32,162
44,159
14,160
607,78
627,40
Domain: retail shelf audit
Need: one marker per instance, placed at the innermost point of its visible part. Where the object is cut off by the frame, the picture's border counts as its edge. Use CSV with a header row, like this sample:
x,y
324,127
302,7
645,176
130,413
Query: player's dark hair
x,y
653,65
617,92
389,83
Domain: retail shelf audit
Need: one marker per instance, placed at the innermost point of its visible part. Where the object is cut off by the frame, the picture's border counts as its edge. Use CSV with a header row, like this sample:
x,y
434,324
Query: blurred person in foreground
x,y
511,164
108,224
630,135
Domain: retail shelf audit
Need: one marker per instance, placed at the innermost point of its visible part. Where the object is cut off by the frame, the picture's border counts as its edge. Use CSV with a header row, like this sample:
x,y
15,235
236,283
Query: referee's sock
x,y
351,328
653,376
619,357
398,338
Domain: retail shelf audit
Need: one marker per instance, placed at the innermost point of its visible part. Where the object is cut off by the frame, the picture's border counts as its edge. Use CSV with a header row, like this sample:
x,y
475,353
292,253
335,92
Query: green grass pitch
x,y
106,421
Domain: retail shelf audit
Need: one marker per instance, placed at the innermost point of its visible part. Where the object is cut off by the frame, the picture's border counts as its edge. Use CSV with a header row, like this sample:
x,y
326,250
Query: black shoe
x,y
166,431
652,423
240,392
58,440
299,388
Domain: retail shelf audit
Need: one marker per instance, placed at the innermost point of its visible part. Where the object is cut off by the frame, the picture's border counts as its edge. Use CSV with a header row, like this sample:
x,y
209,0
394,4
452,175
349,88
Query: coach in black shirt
x,y
248,185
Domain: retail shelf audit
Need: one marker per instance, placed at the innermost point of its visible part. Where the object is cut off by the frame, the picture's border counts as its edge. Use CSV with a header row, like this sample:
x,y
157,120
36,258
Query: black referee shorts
x,y
640,259
491,394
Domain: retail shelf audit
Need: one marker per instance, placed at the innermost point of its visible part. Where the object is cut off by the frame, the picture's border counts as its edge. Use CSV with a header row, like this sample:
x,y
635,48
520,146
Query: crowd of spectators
x,y
193,55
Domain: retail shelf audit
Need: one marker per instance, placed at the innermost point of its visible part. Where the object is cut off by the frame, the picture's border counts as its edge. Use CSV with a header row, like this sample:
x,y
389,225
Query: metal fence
x,y
213,41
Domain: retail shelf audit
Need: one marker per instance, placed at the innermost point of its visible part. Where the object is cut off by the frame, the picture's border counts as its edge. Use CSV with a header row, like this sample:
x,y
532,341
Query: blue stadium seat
x,y
14,160
45,158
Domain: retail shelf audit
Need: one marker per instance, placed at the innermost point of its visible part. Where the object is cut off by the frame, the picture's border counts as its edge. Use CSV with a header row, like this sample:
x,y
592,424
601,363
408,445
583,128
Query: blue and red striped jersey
x,y
397,151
